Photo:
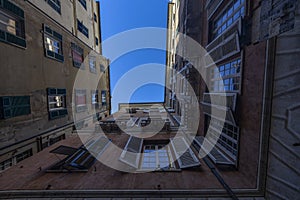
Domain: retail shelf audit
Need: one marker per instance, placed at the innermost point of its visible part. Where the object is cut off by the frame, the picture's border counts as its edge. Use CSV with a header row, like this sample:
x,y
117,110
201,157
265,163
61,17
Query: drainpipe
x,y
220,179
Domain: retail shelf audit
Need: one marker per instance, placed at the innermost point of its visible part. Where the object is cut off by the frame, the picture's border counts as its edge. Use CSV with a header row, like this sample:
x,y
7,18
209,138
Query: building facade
x,y
241,38
54,74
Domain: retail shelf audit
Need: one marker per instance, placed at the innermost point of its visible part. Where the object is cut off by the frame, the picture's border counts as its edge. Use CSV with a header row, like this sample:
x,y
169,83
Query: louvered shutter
x,y
185,156
214,154
131,152
14,106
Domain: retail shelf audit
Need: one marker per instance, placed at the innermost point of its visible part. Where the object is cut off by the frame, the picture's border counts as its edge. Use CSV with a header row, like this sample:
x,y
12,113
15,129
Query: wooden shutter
x,y
215,155
14,106
131,152
98,145
185,156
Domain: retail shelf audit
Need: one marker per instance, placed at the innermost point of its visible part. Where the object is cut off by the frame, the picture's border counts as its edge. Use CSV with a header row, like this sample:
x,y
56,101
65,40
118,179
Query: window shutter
x,y
131,152
215,155
14,106
57,35
98,146
13,8
62,91
185,156
2,35
15,40
48,30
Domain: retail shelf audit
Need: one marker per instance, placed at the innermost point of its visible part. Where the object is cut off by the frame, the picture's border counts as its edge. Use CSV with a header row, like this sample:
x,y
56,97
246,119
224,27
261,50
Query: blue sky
x,y
118,16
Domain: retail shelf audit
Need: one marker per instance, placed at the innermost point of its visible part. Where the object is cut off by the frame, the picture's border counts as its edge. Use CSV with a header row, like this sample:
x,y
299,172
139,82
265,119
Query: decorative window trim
x,y
59,96
12,11
14,106
56,37
80,107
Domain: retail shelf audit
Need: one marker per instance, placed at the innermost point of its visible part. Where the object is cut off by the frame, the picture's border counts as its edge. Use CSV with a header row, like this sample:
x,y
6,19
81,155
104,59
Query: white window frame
x,y
157,161
220,23
222,76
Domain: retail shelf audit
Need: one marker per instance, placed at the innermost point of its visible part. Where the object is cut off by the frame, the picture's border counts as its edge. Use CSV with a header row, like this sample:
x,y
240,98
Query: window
x,y
157,157
95,99
13,106
77,55
53,44
232,13
57,103
24,155
14,160
226,77
92,64
95,17
55,4
228,140
102,68
81,28
83,3
97,41
80,100
6,164
12,26
103,97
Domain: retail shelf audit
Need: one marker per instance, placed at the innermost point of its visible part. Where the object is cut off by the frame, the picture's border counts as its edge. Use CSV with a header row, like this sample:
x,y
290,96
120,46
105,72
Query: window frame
x,y
55,113
15,13
166,148
225,74
53,36
228,144
82,28
80,107
95,94
55,4
93,64
76,49
9,108
104,92
223,18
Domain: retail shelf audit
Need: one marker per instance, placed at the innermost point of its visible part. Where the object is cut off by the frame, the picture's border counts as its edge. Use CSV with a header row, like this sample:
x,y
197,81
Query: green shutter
x,y
15,106
57,35
61,91
13,8
51,91
59,57
15,40
2,35
48,30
